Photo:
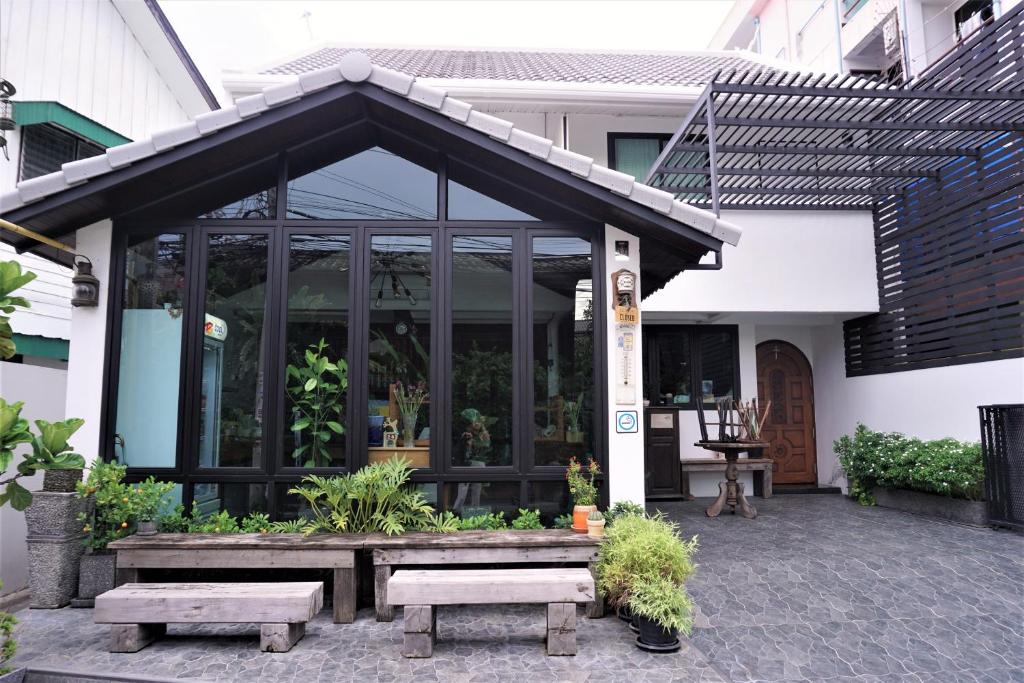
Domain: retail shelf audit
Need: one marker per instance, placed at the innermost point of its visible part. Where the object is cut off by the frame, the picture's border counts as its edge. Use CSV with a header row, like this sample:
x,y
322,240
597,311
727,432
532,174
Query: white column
x,y
88,344
625,451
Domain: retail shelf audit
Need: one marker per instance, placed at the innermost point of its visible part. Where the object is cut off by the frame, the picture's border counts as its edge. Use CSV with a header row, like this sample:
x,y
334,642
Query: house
x,y
447,223
87,75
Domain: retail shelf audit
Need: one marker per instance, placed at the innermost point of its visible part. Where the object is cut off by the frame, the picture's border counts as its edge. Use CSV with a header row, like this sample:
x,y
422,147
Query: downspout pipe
x,y
839,37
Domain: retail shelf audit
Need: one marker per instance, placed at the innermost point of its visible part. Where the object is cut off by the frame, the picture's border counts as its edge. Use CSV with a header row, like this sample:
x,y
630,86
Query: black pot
x,y
624,613
655,635
634,624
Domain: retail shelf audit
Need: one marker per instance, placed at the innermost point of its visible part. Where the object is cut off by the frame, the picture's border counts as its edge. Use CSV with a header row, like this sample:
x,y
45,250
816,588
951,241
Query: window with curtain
x,y
687,364
635,153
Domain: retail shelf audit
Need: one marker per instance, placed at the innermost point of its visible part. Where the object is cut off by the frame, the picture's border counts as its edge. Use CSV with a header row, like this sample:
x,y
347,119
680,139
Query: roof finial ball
x,y
355,66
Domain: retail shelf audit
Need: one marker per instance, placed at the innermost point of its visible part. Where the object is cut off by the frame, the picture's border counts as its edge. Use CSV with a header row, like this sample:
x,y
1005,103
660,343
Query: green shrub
x,y
892,460
441,523
623,507
376,498
663,601
219,523
256,523
7,645
174,522
111,515
562,522
492,522
149,498
638,549
527,519
289,526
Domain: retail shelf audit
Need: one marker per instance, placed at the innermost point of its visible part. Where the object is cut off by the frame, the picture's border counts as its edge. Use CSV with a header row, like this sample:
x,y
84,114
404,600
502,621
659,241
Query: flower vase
x,y
409,430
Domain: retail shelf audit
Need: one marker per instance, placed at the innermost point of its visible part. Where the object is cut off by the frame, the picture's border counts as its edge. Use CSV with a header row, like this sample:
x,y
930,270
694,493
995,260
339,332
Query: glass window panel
x,y
399,380
466,204
317,323
551,498
150,361
563,350
238,499
468,499
636,155
44,149
375,184
234,352
482,360
262,204
717,365
675,371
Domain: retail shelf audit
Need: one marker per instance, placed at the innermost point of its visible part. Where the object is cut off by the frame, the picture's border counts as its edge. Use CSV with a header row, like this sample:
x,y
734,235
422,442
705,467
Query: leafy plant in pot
x,y
51,453
108,517
583,491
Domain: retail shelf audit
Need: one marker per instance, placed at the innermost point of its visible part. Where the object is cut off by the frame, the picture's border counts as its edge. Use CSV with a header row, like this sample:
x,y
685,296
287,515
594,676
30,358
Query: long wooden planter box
x,y
972,512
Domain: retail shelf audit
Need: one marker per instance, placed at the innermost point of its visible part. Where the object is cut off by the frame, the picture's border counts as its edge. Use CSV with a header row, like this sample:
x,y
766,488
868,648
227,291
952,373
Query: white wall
x,y
930,404
786,261
38,387
588,133
49,295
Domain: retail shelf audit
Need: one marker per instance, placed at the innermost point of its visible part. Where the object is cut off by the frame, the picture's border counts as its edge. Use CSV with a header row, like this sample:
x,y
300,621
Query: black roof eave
x,y
280,128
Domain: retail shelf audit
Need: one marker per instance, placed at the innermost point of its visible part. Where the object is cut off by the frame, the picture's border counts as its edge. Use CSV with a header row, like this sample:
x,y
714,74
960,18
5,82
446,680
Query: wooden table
x,y
542,546
136,554
730,490
761,468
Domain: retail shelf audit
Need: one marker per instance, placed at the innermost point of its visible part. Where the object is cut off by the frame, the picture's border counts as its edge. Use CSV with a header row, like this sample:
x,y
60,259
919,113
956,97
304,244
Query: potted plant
x,y
317,393
595,524
583,491
148,500
410,399
661,609
108,516
573,413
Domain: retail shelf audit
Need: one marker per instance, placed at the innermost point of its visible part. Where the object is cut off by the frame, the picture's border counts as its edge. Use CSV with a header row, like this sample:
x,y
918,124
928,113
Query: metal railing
x,y
1002,447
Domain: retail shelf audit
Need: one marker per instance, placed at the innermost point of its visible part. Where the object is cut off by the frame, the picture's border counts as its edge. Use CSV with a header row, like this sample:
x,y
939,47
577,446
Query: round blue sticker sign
x,y
626,422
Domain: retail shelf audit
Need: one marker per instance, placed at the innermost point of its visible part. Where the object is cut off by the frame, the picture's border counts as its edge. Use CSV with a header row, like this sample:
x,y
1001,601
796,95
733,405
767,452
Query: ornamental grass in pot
x,y
583,491
661,610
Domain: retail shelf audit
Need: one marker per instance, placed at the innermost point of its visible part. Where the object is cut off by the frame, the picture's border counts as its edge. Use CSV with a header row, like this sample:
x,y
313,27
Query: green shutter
x,y
31,345
31,113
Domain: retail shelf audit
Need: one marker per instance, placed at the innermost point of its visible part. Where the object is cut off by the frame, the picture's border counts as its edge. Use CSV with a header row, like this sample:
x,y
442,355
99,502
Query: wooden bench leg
x,y
595,609
381,574
345,595
420,629
561,628
766,489
134,637
280,637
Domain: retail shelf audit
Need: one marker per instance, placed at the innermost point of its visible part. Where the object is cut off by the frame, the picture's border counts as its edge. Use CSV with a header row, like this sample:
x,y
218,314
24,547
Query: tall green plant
x,y
50,451
317,392
11,279
111,516
376,498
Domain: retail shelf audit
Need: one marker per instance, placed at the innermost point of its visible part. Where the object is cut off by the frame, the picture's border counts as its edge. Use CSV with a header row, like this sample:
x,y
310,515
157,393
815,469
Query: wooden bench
x,y
139,612
547,546
420,591
136,554
761,467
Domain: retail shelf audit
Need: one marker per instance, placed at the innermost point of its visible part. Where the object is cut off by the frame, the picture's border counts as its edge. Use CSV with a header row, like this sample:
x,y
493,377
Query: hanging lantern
x,y
85,288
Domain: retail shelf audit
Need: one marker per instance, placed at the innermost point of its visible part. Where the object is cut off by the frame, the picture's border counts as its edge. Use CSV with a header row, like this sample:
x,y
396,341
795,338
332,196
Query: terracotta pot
x,y
579,517
595,528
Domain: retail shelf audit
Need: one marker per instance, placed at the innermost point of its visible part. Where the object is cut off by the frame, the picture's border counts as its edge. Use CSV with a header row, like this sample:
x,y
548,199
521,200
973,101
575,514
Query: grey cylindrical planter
x,y
54,547
61,481
55,514
973,512
53,569
16,676
96,574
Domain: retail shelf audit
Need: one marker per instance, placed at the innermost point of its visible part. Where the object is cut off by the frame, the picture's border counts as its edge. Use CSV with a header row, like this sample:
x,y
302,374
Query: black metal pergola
x,y
779,140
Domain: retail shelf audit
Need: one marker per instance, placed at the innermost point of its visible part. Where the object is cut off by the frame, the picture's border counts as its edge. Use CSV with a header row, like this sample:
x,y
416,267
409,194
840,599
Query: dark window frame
x,y
34,128
694,332
663,138
271,472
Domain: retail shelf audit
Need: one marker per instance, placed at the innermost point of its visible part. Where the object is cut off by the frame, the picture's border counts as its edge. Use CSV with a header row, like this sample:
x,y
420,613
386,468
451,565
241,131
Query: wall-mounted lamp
x,y
85,288
621,250
6,113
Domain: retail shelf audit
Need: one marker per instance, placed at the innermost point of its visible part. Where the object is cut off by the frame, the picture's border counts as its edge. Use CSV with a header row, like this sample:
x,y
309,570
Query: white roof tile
x,y
356,67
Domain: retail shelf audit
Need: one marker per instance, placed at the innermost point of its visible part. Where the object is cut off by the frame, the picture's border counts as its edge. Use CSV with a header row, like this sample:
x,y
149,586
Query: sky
x,y
241,34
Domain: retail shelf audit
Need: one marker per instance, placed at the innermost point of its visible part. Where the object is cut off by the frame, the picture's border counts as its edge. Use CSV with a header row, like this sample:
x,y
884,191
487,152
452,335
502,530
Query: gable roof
x,y
693,69
84,191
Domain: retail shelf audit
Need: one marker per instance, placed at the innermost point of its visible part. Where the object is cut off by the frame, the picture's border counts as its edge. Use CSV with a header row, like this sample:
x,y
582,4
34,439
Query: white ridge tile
x,y
282,92
129,153
212,121
616,181
652,197
41,186
456,109
571,161
320,79
427,95
392,80
83,169
534,145
251,105
491,125
173,137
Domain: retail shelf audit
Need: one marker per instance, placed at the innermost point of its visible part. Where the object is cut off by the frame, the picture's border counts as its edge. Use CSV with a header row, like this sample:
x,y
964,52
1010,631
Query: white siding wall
x,y
49,294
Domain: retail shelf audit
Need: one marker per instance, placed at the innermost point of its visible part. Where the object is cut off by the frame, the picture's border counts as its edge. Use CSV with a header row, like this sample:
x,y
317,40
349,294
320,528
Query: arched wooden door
x,y
784,378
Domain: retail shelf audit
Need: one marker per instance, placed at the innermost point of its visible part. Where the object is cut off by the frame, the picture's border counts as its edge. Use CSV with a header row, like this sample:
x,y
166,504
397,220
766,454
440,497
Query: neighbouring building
x,y
88,75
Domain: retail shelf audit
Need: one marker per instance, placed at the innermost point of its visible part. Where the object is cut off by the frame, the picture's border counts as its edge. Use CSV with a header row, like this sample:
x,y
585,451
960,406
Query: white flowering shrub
x,y
892,460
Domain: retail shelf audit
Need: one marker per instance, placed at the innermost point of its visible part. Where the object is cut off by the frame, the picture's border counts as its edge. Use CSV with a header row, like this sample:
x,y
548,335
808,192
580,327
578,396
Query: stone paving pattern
x,y
816,589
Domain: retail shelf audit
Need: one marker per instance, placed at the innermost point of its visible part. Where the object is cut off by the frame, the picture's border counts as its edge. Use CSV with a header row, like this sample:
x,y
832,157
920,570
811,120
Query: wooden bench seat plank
x,y
191,603
507,538
490,586
234,558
